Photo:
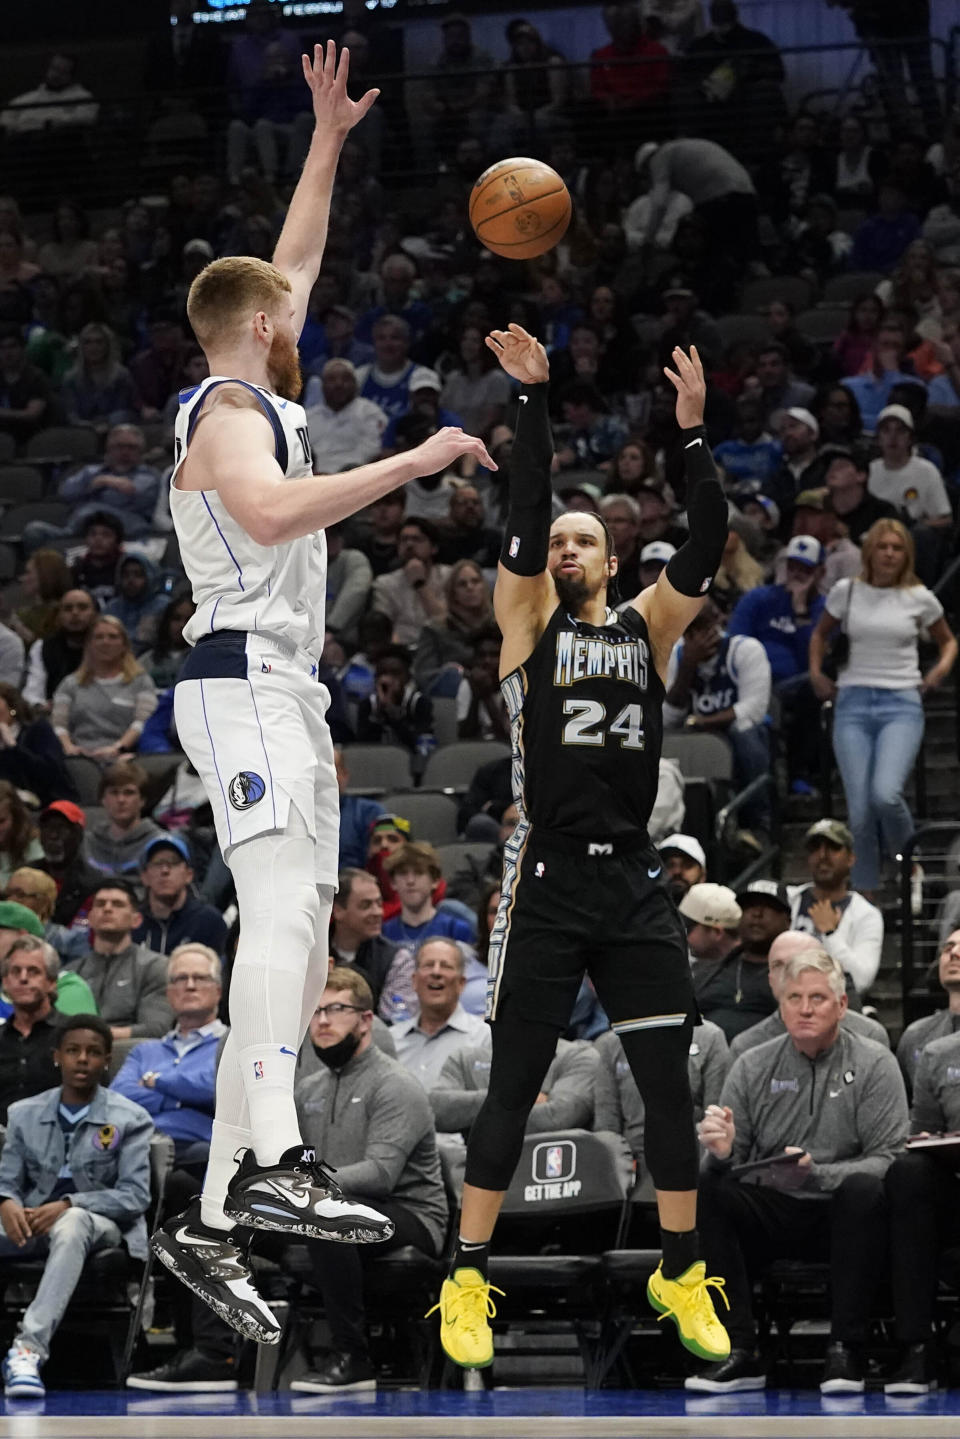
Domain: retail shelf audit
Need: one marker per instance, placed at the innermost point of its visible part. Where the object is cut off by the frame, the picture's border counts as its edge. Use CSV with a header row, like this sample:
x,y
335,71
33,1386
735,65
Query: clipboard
x,y
949,1142
755,1165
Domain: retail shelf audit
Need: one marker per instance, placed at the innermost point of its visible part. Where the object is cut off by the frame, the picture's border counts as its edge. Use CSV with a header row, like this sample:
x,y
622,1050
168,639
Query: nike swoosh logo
x,y
693,444
652,873
299,1197
282,404
121,982
285,1050
523,399
835,1093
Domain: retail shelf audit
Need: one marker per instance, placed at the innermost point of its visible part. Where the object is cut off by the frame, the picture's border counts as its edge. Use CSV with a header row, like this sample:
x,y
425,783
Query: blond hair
x,y
872,538
129,668
226,291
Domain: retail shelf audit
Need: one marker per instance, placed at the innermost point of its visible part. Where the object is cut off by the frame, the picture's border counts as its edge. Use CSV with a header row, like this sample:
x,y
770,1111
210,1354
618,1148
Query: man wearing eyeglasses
x,y
174,1079
172,914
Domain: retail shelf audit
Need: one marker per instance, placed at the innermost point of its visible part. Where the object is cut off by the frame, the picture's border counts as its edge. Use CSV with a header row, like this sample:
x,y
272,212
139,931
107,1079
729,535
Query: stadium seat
x,y
844,289
16,519
453,857
454,766
704,756
9,563
377,767
757,294
8,448
823,324
64,442
20,484
432,817
444,721
743,329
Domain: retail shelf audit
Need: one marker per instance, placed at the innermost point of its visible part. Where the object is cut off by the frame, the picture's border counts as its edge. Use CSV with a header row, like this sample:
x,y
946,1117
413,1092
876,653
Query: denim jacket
x,y
109,1157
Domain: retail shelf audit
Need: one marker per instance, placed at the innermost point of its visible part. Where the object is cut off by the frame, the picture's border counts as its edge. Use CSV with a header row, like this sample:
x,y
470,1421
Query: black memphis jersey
x,y
586,714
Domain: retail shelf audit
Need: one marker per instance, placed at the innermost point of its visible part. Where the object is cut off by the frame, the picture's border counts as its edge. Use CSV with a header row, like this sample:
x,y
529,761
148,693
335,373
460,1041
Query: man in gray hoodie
x,y
129,981
836,1100
372,1120
115,840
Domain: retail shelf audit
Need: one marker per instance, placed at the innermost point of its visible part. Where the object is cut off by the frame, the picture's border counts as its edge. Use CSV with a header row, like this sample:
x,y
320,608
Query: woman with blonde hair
x,y
100,710
99,390
446,646
878,694
739,572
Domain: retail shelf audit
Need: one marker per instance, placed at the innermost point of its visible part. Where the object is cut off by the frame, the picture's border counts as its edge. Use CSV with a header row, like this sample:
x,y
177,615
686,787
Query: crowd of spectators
x,y
814,259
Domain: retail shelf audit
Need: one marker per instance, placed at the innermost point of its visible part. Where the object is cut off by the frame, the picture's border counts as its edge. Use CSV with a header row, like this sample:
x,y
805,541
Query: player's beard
x,y
573,592
283,367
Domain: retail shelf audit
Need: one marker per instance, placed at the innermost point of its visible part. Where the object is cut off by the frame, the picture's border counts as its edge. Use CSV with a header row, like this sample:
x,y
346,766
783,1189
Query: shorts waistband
x,y
583,845
239,638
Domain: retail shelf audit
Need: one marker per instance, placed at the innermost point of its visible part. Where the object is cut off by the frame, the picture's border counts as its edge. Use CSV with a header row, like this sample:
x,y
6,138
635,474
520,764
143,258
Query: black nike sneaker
x,y
299,1195
213,1263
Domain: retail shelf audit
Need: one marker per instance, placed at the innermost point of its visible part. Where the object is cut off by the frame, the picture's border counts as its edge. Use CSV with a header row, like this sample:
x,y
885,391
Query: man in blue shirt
x,y
872,389
782,618
415,870
752,457
74,1178
171,912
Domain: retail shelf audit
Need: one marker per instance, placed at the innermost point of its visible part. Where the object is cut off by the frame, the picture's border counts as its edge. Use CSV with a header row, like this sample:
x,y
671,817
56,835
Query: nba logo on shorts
x,y
258,1069
514,547
246,789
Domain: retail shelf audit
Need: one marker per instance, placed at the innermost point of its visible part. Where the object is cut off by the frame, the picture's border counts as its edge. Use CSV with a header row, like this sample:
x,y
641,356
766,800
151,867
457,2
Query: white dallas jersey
x,y
277,590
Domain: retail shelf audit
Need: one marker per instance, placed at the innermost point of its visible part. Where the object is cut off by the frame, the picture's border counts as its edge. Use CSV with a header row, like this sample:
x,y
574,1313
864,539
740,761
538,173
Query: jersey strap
x,y
279,438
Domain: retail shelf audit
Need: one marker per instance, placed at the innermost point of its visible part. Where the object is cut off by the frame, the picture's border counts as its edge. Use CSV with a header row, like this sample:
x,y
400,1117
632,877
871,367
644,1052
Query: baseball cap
x,y
764,891
805,418
832,830
677,287
592,492
17,916
812,499
805,549
391,821
199,246
685,844
424,378
765,503
896,412
712,904
69,810
165,841
657,552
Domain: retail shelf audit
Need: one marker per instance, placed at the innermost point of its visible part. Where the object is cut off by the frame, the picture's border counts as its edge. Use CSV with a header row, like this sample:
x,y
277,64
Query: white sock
x,y
225,1142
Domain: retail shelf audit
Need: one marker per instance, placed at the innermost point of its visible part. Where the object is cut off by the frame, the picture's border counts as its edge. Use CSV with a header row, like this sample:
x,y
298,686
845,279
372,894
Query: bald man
x,y
783,948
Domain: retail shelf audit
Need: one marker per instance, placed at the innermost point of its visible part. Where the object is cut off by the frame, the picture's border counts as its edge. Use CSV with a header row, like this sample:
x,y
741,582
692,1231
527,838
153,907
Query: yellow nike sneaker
x,y
465,1313
687,1302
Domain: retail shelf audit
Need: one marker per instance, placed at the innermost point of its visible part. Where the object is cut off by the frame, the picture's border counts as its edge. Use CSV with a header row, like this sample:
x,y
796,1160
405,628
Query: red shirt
x,y
612,77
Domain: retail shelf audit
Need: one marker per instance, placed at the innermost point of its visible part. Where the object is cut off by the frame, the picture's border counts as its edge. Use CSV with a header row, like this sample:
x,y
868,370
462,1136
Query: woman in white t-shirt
x,y
878,719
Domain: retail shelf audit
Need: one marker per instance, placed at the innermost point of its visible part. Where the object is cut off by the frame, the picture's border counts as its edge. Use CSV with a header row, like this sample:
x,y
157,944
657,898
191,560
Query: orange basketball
x,y
519,208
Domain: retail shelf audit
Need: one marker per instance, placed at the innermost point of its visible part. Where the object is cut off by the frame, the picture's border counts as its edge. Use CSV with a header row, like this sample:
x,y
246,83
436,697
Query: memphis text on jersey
x,y
581,657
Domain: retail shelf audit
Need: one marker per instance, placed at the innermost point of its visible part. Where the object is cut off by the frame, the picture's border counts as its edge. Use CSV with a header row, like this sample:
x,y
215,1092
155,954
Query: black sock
x,y
468,1255
679,1251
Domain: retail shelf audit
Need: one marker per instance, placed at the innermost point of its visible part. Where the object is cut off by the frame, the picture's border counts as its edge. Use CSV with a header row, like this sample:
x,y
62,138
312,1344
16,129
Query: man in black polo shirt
x,y
28,1037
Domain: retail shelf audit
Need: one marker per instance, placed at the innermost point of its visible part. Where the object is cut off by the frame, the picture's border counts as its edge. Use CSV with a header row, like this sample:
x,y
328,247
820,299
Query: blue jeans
x,y
876,736
751,757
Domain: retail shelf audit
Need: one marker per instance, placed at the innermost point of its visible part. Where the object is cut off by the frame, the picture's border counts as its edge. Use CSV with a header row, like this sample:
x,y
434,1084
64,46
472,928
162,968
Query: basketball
x,y
519,208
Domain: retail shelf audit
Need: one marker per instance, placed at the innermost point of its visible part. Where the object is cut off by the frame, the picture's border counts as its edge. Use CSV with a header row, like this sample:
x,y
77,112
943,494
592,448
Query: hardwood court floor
x,y
512,1414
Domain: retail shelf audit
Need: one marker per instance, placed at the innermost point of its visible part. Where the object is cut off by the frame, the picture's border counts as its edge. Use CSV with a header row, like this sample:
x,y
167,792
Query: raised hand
x,y
520,354
441,450
332,107
690,386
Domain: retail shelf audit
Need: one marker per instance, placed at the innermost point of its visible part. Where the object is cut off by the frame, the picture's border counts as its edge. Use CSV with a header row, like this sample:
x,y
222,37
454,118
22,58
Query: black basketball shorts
x,y
569,906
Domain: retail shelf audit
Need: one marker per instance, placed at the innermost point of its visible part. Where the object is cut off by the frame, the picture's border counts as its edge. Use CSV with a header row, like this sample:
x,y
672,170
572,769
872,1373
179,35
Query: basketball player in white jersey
x,y
250,713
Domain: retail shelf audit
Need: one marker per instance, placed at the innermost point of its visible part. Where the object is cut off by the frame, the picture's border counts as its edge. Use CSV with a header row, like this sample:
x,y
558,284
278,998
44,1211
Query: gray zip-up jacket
x,y
773,1026
618,1103
569,1085
916,1037
372,1121
130,987
936,1090
847,1108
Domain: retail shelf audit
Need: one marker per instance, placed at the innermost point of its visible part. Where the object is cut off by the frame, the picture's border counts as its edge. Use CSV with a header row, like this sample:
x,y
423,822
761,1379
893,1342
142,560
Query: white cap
x,y
659,551
896,412
712,904
687,845
806,549
805,418
645,153
424,378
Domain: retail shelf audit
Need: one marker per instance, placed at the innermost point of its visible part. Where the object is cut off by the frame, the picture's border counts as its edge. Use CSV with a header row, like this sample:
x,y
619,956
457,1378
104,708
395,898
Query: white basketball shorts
x,y
251,718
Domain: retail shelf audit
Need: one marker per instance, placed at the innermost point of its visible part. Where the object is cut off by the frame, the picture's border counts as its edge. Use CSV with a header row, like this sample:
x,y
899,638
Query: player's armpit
x,y
667,613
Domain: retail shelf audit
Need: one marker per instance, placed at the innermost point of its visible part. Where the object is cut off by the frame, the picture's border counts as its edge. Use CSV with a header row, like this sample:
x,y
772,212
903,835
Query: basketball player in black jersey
x,y
583,887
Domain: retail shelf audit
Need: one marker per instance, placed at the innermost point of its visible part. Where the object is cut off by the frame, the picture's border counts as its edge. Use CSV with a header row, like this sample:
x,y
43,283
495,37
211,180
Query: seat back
x,y
20,484
13,523
701,756
757,294
432,816
454,766
377,767
59,442
570,1172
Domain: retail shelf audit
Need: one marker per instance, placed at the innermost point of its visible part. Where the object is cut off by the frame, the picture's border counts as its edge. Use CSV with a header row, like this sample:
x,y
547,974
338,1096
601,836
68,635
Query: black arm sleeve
x,y
527,534
692,568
